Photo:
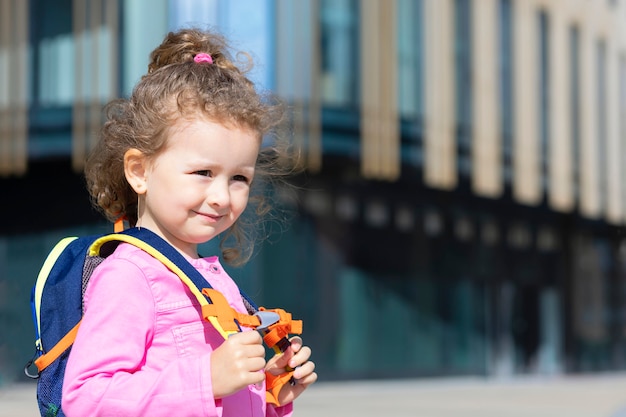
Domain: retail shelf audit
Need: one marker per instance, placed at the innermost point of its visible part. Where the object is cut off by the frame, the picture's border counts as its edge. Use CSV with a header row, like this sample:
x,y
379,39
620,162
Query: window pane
x,y
339,51
575,108
622,123
53,46
544,94
506,84
602,123
463,83
410,56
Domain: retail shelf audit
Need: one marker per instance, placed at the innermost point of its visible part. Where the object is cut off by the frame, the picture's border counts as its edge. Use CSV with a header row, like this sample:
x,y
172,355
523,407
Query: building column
x,y
589,170
609,24
616,173
14,71
526,169
486,136
95,30
380,133
561,192
440,169
298,80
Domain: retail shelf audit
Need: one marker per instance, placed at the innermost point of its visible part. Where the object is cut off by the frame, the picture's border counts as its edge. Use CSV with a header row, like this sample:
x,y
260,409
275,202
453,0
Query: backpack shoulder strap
x,y
37,291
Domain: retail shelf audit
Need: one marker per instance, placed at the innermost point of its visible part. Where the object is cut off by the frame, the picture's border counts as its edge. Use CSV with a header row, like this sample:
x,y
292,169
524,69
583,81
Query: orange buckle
x,y
281,329
228,317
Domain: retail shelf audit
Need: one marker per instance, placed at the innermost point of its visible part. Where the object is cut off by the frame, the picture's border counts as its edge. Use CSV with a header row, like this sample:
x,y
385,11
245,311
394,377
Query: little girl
x,y
179,158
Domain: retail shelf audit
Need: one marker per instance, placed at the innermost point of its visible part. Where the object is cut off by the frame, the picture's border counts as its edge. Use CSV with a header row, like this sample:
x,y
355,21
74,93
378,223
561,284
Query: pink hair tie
x,y
202,57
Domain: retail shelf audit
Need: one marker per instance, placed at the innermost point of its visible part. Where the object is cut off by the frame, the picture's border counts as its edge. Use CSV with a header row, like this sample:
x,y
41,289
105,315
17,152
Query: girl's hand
x,y
297,357
237,363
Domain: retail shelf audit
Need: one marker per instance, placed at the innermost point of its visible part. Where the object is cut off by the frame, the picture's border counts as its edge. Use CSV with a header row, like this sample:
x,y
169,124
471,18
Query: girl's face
x,y
199,185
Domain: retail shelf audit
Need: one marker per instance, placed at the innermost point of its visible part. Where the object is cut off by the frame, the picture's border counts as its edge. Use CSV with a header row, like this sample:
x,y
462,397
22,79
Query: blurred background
x,y
463,202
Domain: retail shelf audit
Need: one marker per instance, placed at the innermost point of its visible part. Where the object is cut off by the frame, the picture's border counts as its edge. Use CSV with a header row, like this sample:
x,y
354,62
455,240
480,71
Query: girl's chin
x,y
203,234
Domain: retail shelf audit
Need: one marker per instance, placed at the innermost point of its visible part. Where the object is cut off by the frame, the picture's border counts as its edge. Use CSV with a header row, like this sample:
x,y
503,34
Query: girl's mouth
x,y
210,217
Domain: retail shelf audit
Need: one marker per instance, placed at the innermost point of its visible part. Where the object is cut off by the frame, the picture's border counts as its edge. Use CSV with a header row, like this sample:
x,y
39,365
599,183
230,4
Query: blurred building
x,y
464,198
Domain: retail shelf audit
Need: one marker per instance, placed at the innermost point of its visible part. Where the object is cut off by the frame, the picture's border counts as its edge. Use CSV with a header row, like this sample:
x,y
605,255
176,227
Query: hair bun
x,y
184,45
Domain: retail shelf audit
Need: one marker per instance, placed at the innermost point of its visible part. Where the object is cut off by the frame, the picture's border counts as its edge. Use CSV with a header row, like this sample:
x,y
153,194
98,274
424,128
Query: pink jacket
x,y
142,349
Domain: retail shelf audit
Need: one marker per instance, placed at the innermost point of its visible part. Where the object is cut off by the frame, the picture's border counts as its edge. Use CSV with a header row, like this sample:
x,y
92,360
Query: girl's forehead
x,y
201,133
200,121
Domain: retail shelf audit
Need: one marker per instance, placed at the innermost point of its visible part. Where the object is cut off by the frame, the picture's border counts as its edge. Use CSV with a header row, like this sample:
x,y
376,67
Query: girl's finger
x,y
296,343
300,357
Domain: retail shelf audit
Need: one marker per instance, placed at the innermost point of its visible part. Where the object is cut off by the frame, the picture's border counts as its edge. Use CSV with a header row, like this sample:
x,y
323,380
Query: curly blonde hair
x,y
176,87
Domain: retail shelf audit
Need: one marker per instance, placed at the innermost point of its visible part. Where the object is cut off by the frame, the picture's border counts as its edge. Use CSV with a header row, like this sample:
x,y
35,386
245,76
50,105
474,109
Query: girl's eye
x,y
204,173
241,178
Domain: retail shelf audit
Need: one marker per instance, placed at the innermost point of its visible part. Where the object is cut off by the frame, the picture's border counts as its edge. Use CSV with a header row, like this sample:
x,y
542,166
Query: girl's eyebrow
x,y
205,163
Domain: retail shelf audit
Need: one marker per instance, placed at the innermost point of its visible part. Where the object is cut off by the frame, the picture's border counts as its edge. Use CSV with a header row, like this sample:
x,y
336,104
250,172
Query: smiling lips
x,y
210,217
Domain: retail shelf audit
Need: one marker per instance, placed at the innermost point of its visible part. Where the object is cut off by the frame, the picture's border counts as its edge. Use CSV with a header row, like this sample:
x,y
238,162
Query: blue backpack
x,y
57,305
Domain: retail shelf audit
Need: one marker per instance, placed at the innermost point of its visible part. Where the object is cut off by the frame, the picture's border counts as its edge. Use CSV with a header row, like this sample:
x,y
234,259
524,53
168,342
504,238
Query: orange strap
x,y
273,385
43,361
283,328
118,226
227,316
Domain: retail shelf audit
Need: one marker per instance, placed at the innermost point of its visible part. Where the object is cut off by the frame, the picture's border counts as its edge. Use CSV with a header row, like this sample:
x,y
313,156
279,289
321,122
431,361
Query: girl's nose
x,y
219,195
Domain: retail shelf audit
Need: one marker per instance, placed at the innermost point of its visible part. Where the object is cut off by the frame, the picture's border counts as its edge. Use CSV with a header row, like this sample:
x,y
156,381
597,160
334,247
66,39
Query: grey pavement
x,y
560,396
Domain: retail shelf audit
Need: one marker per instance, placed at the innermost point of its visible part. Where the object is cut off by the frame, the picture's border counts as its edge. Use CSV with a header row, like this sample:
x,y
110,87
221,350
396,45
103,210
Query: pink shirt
x,y
143,350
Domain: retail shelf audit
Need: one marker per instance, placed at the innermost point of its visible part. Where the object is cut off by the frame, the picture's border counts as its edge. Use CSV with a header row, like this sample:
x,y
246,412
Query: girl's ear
x,y
135,169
